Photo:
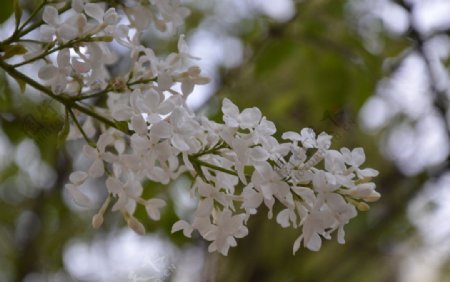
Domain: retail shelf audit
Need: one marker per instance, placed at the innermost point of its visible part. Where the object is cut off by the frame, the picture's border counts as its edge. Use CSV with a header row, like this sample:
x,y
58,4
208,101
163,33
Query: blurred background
x,y
373,73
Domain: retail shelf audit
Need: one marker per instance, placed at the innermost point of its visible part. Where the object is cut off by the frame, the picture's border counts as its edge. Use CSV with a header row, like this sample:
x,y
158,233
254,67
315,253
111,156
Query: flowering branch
x,y
66,102
151,134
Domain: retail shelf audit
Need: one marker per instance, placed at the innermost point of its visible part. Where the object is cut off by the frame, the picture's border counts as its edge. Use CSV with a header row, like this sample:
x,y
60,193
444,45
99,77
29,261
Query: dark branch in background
x,y
440,98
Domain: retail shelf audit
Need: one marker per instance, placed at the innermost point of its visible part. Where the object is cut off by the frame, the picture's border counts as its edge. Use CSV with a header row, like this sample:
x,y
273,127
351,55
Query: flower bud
x,y
97,220
134,224
362,206
373,197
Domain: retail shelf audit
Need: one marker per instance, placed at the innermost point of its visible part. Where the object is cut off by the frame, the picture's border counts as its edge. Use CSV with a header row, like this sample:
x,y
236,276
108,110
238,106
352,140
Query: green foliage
x,y
7,10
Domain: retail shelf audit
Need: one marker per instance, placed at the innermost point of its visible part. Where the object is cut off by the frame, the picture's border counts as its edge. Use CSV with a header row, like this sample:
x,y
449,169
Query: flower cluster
x,y
148,133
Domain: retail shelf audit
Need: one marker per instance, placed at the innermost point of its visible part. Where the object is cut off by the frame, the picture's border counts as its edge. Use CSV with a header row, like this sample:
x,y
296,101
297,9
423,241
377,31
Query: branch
x,y
60,98
440,99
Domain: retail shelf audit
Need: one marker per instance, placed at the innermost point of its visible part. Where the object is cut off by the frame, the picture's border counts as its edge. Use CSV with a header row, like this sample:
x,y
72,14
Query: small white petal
x,y
229,109
78,5
80,66
152,207
162,129
114,186
324,140
182,225
259,154
111,17
47,72
249,118
283,218
314,243
47,33
156,203
187,162
78,177
95,11
153,212
139,125
104,140
97,169
187,86
267,127
121,112
182,45
204,207
290,135
63,58
79,198
50,15
341,235
297,243
90,152
358,156
367,173
179,143
121,203
164,81
67,32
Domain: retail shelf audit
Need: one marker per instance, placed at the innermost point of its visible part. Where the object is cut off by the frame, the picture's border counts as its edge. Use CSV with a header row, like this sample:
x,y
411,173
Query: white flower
x,y
314,225
57,76
252,199
355,159
97,56
342,212
285,217
97,12
238,165
189,79
210,193
127,193
365,191
223,234
77,179
78,5
155,105
180,129
99,155
170,12
54,27
153,206
307,136
249,118
182,225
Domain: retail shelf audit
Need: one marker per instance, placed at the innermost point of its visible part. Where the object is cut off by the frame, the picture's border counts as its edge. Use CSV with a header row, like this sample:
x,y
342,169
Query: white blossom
x,y
146,132
63,31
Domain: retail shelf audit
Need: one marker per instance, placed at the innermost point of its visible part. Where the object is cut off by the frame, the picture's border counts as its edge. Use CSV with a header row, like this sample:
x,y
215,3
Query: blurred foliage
x,y
312,71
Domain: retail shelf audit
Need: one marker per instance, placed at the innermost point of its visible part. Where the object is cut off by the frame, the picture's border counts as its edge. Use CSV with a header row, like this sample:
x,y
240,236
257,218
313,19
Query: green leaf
x,y
273,55
13,50
22,85
122,125
62,135
17,13
6,10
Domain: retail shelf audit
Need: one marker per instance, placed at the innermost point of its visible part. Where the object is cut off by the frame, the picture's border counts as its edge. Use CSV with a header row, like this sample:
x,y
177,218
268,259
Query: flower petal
x,y
95,11
182,225
50,15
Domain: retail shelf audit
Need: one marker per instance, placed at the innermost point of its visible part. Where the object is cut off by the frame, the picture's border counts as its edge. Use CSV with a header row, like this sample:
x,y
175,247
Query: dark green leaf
x,y
17,12
6,10
62,135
